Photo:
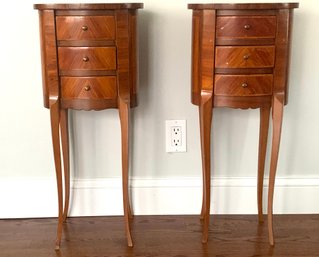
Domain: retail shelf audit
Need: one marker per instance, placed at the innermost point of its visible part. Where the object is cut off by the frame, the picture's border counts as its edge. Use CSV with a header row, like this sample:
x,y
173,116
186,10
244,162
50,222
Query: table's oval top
x,y
246,6
87,6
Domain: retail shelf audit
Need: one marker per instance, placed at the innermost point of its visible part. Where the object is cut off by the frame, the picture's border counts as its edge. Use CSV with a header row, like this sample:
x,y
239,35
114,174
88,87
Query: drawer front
x,y
87,58
93,88
246,27
85,27
243,85
245,57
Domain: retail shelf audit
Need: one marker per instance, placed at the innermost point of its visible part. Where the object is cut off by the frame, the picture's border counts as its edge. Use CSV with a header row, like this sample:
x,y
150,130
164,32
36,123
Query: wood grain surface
x,y
87,58
243,85
243,6
85,27
162,236
241,54
87,6
245,57
102,87
89,62
246,26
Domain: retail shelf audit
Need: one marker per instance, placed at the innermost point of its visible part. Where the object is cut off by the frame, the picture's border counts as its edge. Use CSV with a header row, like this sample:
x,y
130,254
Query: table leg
x,y
55,120
263,136
205,120
66,162
124,109
277,114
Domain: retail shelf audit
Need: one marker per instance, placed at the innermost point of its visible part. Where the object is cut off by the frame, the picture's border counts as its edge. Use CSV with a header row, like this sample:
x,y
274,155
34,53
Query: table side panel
x,y
50,77
196,53
133,56
123,55
283,42
207,57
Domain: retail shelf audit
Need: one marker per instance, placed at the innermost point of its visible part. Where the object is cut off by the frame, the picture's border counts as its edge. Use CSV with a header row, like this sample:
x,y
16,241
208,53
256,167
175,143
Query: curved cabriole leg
x,y
124,119
66,162
277,114
205,116
263,136
55,120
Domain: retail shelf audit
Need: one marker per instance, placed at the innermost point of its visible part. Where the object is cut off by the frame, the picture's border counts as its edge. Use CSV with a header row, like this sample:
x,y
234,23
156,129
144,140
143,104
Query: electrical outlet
x,y
175,136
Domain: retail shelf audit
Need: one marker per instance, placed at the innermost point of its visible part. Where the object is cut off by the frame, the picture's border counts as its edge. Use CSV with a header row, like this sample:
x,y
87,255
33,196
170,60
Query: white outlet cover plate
x,y
171,148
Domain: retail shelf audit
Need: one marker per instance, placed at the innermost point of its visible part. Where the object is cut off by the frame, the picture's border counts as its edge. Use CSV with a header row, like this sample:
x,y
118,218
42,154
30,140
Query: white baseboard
x,y
26,198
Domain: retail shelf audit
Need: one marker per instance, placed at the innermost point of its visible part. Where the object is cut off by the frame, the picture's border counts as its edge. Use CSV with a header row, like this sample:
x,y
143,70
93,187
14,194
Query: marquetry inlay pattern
x,y
89,62
240,59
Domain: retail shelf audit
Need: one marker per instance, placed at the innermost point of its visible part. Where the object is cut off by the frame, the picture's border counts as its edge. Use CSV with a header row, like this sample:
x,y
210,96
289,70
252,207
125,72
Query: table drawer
x,y
102,87
87,58
246,27
243,85
85,27
245,57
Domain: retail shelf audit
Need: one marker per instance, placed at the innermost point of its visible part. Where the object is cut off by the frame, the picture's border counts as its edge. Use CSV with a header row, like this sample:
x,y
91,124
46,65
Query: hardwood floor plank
x,y
159,236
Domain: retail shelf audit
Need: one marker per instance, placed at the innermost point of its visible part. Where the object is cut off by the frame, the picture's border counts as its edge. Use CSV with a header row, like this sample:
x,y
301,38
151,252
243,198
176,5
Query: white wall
x,y
164,93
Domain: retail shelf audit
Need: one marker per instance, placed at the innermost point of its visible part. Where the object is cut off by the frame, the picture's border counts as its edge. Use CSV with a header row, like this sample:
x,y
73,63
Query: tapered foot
x,y
129,236
57,246
205,229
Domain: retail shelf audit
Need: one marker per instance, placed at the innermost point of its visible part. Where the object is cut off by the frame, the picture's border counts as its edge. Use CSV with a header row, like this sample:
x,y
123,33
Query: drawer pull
x,y
247,27
84,28
87,88
246,57
244,85
85,59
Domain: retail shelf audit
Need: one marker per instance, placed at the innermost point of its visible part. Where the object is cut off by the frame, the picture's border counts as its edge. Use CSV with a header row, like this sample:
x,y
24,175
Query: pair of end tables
x,y
240,59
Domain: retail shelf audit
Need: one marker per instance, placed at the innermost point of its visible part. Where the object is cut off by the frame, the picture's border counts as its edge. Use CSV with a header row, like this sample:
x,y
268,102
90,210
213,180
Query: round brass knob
x,y
246,57
247,26
87,88
85,59
84,28
244,85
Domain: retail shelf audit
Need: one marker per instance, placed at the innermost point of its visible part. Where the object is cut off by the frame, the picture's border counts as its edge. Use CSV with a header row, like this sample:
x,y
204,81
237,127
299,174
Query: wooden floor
x,y
159,236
